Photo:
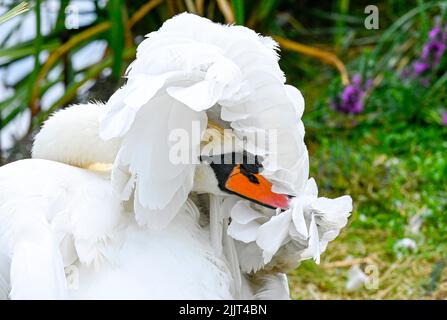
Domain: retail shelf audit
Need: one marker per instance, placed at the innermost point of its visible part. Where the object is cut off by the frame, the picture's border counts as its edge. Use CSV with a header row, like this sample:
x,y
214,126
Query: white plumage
x,y
142,230
70,217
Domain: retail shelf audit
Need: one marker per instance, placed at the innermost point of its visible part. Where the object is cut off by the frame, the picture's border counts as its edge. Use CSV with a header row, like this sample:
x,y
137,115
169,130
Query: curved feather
x,y
187,67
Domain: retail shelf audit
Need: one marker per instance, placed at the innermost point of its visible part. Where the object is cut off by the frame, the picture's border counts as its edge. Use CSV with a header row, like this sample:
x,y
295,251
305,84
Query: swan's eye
x,y
249,174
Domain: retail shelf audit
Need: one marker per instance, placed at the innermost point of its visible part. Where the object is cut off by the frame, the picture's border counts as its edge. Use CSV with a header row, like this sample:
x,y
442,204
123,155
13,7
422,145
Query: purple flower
x,y
420,67
434,49
431,55
444,118
433,34
351,100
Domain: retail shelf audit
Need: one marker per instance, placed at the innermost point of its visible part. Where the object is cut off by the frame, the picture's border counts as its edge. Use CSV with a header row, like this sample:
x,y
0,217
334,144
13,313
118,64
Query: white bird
x,y
155,228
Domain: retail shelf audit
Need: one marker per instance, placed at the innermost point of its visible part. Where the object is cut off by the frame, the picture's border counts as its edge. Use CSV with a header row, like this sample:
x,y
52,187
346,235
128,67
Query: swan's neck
x,y
205,181
71,136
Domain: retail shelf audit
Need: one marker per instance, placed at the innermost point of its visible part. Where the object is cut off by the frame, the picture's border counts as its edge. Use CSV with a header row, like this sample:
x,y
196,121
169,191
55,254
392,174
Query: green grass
x,y
394,171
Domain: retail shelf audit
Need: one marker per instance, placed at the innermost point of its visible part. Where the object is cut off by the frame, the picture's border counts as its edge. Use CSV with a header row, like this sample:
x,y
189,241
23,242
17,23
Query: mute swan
x,y
152,228
71,218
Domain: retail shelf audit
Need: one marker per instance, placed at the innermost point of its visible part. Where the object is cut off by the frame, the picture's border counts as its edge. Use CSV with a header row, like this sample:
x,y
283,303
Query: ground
x,y
396,177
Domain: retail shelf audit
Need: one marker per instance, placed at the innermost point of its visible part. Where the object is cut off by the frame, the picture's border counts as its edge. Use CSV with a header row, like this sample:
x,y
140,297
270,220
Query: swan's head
x,y
224,171
179,76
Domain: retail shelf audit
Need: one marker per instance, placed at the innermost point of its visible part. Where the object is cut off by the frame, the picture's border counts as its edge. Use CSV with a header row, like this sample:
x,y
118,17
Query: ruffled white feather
x,y
184,69
310,223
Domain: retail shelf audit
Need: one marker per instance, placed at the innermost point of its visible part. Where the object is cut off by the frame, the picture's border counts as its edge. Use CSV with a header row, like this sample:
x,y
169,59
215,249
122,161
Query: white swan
x,y
64,216
155,229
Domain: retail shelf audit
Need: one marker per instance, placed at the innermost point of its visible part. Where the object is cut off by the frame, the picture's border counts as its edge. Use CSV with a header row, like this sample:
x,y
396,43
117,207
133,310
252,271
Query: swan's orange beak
x,y
255,188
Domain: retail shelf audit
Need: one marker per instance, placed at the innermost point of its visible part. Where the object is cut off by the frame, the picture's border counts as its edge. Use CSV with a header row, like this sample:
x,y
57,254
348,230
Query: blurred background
x,y
374,76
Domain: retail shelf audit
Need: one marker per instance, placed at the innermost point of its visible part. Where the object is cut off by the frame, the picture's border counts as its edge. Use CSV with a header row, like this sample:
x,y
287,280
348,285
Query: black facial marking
x,y
224,164
249,171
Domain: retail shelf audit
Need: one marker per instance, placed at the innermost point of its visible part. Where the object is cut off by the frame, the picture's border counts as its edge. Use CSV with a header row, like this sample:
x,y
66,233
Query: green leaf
x,y
12,115
395,27
71,91
60,20
343,6
18,102
24,50
239,11
424,20
265,8
17,10
116,35
439,84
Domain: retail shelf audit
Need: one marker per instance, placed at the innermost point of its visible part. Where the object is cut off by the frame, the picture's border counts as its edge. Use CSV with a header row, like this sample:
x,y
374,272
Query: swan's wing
x,y
46,224
36,268
5,285
157,157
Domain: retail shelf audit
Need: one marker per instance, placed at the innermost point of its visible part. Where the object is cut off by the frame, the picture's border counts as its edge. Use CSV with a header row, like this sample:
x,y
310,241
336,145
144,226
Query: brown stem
x,y
226,10
57,54
325,56
142,11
